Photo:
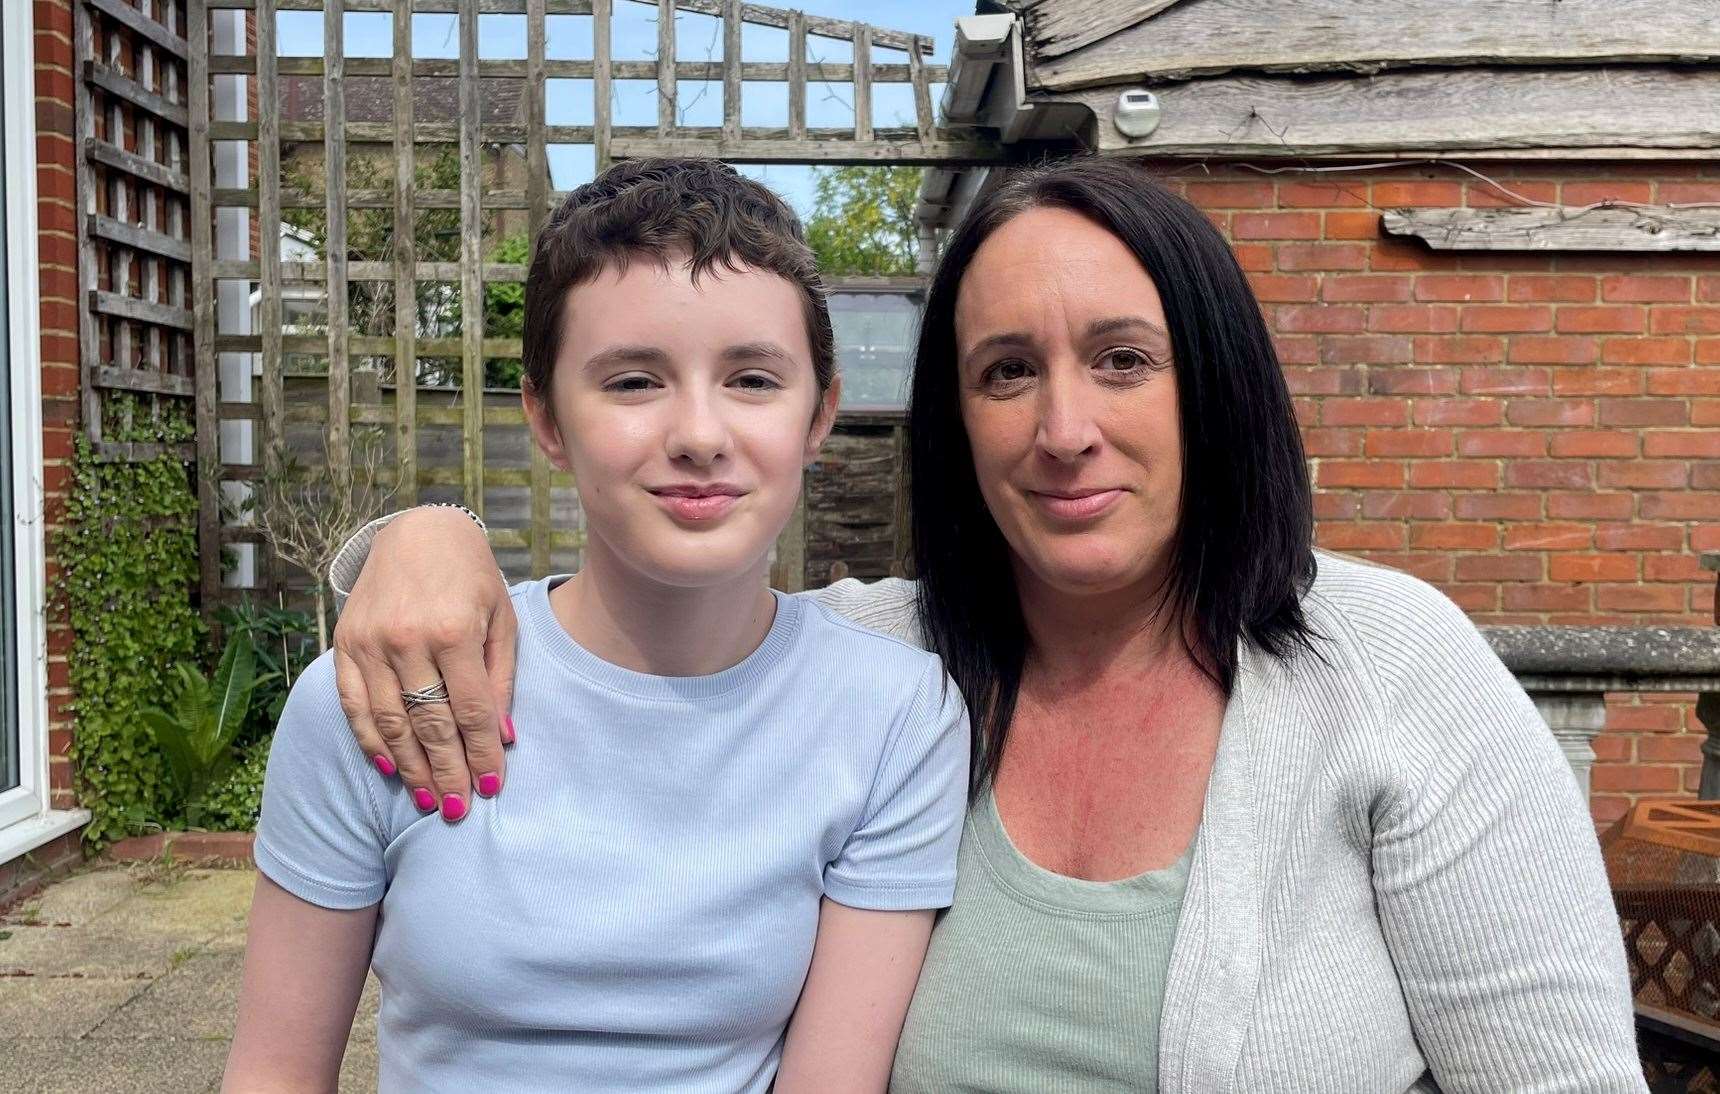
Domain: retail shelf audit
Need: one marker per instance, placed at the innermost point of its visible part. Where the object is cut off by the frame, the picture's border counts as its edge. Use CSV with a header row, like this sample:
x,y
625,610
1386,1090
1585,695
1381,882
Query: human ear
x,y
823,419
542,424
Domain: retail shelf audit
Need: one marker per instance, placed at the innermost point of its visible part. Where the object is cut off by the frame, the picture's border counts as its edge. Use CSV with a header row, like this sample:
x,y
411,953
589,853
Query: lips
x,y
696,502
1076,505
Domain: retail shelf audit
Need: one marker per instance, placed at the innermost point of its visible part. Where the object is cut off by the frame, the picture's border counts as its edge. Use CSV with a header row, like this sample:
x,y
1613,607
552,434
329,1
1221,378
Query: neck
x,y
629,620
1077,639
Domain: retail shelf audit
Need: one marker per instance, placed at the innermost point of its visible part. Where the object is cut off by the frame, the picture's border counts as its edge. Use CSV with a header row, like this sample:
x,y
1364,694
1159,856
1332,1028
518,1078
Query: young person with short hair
x,y
719,867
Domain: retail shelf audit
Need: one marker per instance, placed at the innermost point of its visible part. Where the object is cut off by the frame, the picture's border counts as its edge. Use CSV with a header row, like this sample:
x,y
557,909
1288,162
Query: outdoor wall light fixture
x,y
1137,113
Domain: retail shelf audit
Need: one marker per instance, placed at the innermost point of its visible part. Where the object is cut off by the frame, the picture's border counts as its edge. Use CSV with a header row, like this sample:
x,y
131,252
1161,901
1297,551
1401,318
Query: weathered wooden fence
x,y
318,190
852,525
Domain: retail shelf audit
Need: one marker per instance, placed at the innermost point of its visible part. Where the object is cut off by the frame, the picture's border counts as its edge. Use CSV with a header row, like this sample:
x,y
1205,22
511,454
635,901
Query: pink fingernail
x,y
383,764
507,729
424,799
489,784
453,807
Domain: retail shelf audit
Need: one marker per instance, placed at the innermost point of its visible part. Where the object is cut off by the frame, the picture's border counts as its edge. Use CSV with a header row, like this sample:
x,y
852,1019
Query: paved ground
x,y
125,979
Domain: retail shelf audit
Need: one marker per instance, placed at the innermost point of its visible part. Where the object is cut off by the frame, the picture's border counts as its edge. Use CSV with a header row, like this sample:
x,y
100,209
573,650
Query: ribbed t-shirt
x,y
637,911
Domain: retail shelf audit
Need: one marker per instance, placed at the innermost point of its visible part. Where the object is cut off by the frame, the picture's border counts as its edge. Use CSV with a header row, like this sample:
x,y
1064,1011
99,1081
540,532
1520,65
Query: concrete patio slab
x,y
126,979
52,1066
38,1007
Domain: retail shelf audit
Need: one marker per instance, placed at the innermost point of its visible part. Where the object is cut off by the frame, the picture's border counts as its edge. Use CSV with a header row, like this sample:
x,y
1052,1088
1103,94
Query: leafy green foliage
x,y
371,238
128,555
197,731
285,643
862,220
232,804
505,312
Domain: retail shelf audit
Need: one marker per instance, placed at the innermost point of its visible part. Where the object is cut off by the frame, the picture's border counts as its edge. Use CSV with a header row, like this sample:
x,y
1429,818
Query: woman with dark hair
x,y
1246,816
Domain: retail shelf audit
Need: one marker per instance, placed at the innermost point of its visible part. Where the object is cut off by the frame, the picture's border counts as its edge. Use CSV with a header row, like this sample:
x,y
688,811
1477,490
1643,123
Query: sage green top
x,y
1039,983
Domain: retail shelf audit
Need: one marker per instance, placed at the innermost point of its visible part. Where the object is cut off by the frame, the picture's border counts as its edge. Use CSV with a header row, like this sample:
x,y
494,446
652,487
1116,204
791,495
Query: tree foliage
x,y
862,220
370,237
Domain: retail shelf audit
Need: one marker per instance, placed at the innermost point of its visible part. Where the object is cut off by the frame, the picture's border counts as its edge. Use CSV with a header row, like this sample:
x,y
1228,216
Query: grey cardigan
x,y
1396,885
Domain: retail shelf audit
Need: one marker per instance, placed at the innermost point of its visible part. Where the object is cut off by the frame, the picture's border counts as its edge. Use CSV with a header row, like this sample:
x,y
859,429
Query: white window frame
x,y
27,818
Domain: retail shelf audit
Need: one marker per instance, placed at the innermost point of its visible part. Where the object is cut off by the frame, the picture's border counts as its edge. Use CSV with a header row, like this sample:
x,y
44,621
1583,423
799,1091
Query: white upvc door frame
x,y
27,816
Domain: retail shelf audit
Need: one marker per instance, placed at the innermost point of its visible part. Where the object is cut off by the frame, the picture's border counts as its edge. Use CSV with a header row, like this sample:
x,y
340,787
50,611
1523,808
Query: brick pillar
x,y
56,242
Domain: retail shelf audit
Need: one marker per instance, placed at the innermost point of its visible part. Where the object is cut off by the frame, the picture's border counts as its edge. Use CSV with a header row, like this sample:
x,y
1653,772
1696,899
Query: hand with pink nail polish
x,y
427,607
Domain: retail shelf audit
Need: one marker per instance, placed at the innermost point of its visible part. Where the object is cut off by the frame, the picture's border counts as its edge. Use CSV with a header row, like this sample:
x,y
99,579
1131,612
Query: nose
x,y
1067,428
697,433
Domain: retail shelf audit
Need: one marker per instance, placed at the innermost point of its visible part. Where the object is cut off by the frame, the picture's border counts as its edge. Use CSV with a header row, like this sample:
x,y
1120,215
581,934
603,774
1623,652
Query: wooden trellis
x,y
333,274
134,249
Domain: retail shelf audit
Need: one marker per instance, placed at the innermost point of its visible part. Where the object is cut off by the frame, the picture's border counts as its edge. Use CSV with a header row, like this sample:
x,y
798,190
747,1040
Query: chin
x,y
698,564
1087,571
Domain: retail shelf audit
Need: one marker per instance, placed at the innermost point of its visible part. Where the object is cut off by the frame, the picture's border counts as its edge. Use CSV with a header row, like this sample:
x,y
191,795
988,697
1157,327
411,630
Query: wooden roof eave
x,y
1548,112
1198,38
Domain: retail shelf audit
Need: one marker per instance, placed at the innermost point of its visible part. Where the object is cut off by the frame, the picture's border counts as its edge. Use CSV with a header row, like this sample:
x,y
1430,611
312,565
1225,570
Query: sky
x,y
634,37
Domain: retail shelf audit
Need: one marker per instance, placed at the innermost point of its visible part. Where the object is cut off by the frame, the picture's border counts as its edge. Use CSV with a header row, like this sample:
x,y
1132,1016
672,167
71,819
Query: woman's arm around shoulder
x,y
1488,878
421,604
888,605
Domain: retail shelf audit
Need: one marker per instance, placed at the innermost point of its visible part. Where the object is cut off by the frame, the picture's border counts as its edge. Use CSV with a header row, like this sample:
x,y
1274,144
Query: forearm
x,y
355,552
304,970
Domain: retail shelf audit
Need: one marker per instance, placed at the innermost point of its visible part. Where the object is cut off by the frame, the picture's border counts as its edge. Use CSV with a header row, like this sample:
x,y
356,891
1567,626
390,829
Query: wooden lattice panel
x,y
134,243
1684,824
347,109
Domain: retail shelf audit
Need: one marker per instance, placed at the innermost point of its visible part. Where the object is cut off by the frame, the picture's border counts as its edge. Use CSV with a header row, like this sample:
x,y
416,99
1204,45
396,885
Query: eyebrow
x,y
1115,325
756,351
639,355
1122,324
1008,339
627,355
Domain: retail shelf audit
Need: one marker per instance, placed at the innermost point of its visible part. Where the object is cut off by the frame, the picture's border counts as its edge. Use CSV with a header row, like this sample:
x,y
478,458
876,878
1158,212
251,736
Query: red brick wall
x,y
56,242
1532,432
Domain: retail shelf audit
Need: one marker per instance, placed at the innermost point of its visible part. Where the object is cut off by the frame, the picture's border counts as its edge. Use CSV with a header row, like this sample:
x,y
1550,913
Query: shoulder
x,y
314,756
858,653
313,729
1388,611
313,703
889,606
1410,645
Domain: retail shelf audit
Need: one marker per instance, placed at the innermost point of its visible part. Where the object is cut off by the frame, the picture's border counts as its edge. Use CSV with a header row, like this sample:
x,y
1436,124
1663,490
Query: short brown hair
x,y
659,208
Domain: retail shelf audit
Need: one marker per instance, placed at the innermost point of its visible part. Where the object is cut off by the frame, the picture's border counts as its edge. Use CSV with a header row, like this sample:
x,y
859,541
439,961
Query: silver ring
x,y
435,693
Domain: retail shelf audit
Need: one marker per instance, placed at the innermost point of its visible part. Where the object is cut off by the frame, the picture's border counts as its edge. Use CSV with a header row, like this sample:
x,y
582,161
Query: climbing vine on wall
x,y
128,558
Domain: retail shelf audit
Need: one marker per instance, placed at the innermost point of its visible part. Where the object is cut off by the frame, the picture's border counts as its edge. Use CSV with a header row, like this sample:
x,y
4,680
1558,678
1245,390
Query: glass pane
x,y
874,345
8,572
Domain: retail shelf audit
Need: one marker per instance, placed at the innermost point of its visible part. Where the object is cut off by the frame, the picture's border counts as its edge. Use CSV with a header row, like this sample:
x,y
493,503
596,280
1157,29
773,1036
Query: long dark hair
x,y
1243,550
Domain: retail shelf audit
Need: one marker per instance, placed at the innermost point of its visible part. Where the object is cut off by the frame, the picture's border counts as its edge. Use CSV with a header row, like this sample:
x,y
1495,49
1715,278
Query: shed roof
x,y
1588,78
1083,43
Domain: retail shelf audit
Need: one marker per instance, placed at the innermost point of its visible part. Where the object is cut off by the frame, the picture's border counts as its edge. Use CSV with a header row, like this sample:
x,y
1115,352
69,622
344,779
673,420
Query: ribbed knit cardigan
x,y
1396,884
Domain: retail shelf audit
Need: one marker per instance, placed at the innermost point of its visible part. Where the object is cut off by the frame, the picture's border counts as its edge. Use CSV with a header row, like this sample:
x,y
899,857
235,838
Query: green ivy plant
x,y
128,558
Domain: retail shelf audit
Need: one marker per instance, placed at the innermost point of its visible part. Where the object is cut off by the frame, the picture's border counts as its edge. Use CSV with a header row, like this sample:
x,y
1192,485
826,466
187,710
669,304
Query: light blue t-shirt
x,y
636,912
